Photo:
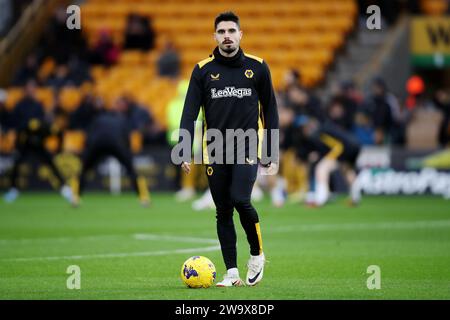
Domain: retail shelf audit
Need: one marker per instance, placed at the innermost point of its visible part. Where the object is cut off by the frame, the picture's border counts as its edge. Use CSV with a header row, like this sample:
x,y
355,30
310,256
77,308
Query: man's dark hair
x,y
227,16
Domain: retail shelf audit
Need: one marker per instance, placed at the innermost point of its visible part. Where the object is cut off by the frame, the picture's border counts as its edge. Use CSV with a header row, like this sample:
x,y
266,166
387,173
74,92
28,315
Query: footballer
x,y
234,91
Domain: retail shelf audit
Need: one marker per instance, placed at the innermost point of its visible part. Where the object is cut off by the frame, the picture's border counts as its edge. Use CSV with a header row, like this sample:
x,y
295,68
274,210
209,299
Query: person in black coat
x,y
29,122
108,135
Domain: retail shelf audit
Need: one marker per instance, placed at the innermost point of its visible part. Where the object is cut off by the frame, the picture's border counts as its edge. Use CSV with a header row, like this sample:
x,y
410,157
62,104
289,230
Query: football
x,y
198,272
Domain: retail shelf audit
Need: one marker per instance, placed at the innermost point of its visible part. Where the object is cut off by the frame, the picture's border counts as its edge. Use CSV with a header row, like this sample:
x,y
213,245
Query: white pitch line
x,y
59,239
363,226
137,236
115,255
306,228
148,236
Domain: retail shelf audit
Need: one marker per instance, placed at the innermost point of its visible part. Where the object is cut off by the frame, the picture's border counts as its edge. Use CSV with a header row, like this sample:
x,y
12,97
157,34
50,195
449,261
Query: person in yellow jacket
x,y
174,111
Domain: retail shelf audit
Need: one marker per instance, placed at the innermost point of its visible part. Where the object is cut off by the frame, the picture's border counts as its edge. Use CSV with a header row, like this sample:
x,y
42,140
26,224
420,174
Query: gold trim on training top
x,y
336,146
204,142
260,60
205,61
260,130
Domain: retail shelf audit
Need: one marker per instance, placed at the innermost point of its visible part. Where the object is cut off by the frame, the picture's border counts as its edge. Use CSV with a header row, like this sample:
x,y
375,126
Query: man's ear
x,y
241,33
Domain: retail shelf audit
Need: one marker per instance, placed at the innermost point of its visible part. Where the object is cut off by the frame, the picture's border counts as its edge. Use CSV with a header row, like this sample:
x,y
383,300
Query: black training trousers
x,y
25,150
98,150
231,187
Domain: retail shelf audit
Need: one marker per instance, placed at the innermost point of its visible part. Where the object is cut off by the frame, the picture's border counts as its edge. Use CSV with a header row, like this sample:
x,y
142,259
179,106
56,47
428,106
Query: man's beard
x,y
229,49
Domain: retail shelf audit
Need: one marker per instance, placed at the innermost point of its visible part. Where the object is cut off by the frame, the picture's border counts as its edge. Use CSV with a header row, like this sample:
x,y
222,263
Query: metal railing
x,y
23,37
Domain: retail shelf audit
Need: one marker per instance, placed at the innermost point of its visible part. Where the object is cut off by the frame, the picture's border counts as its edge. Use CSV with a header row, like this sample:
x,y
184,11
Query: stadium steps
x,y
362,47
23,37
389,62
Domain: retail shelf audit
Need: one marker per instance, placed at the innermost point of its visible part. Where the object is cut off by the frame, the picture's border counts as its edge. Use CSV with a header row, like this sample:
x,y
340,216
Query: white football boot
x,y
231,279
278,194
205,202
11,195
257,193
66,193
255,269
355,193
185,194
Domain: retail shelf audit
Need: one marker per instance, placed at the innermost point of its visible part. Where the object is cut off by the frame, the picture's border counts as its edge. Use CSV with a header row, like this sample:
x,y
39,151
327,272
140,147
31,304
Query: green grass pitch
x,y
125,251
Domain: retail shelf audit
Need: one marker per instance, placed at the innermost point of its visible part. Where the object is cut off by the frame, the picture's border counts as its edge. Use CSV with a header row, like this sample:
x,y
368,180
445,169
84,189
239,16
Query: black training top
x,y
234,93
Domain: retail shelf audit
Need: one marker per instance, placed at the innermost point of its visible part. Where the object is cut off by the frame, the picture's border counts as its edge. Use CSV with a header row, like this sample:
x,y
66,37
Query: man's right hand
x,y
186,166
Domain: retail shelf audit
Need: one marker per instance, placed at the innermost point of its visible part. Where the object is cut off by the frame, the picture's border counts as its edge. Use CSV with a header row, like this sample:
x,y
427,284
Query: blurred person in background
x,y
58,115
298,98
188,182
6,121
363,128
105,51
32,129
351,95
292,78
294,101
441,100
140,119
350,99
279,184
108,135
82,117
28,71
139,33
338,115
415,87
78,70
400,118
328,147
59,78
169,61
59,42
380,104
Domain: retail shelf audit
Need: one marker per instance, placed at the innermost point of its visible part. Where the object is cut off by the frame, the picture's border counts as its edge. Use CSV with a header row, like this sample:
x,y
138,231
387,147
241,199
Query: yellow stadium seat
x,y
73,141
45,96
46,69
70,98
14,95
136,141
7,141
131,57
285,33
52,143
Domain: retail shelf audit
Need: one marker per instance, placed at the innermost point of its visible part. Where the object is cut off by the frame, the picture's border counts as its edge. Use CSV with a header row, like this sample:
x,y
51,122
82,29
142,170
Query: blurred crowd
x,y
355,119
374,118
73,59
